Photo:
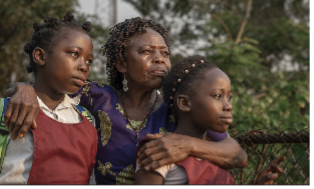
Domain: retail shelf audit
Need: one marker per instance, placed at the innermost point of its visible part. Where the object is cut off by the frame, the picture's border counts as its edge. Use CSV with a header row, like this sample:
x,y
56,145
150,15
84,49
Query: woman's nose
x,y
158,59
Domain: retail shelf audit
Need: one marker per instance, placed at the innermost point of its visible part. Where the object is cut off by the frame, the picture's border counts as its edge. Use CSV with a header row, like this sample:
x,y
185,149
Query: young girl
x,y
199,93
62,149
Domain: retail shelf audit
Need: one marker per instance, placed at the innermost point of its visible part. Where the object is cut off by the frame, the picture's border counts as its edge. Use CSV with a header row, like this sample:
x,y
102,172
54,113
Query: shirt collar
x,y
67,102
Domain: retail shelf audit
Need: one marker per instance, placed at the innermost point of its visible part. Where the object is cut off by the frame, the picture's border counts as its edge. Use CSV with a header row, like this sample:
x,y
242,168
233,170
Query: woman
x,y
130,109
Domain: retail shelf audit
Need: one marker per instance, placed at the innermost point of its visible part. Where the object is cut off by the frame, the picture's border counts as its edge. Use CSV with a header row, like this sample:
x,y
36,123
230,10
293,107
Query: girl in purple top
x,y
131,108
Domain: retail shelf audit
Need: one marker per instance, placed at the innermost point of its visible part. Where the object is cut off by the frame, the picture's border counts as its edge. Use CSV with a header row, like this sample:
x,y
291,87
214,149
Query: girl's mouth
x,y
227,120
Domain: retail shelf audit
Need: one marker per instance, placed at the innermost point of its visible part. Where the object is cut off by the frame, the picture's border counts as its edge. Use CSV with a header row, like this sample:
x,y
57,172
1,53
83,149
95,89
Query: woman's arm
x,y
171,148
148,177
22,110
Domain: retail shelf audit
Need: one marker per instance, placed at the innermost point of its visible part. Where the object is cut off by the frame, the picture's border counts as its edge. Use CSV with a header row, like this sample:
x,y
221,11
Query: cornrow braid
x,y
116,46
48,34
183,75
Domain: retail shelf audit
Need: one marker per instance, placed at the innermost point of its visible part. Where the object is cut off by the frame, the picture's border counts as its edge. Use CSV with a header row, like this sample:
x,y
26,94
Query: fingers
x,y
146,146
7,114
13,119
34,125
156,164
148,159
279,159
154,136
267,179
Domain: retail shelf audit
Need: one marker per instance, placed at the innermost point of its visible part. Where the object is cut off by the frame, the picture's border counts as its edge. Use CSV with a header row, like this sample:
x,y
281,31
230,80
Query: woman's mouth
x,y
158,73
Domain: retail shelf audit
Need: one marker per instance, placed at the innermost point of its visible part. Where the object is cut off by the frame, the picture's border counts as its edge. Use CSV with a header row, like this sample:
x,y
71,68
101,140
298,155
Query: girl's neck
x,y
49,97
185,127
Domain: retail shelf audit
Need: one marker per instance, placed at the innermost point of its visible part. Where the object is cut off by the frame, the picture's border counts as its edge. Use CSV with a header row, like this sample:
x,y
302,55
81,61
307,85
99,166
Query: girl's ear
x,y
39,56
121,65
183,103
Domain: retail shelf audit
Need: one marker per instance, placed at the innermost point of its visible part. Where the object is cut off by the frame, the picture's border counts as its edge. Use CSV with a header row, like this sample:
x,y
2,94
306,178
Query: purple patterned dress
x,y
115,159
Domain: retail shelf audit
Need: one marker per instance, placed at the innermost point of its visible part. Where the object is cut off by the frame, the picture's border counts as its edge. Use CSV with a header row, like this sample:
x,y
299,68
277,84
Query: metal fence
x,y
263,146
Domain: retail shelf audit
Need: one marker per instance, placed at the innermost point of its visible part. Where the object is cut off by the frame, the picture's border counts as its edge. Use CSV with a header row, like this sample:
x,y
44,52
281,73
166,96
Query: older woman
x,y
131,108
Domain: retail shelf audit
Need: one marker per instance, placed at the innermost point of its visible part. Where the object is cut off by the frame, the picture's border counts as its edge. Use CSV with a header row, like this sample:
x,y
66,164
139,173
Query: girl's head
x,y
60,53
198,90
138,48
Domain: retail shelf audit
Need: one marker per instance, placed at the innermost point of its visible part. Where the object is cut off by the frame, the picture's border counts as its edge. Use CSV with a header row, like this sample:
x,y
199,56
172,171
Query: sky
x,y
125,10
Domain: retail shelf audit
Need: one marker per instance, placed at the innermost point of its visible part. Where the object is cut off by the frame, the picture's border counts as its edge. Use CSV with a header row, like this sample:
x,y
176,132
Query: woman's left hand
x,y
164,149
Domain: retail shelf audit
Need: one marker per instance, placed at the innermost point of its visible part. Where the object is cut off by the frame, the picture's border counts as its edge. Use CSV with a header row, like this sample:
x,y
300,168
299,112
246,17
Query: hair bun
x,y
36,26
87,26
68,16
51,21
27,48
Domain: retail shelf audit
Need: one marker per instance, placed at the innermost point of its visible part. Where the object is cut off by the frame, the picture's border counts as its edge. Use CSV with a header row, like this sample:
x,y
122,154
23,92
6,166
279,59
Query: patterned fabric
x,y
4,133
115,159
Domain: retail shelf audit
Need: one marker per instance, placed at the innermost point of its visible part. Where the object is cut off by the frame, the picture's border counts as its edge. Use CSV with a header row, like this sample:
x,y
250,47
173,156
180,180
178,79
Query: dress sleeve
x,y
85,92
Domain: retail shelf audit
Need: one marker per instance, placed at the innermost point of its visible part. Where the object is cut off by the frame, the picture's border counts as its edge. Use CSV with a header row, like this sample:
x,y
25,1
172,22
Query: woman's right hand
x,y
22,110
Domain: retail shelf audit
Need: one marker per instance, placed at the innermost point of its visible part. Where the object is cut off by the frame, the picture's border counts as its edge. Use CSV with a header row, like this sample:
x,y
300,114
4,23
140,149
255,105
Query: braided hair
x,y
50,33
183,75
117,44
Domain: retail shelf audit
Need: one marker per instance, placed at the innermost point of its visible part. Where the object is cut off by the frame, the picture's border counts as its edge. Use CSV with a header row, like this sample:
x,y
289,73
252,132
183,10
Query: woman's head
x,y
60,53
199,90
122,37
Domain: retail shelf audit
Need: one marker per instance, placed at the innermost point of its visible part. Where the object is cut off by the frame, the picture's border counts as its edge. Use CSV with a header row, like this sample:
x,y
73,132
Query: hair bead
x,y
174,89
202,61
186,71
179,80
171,97
193,65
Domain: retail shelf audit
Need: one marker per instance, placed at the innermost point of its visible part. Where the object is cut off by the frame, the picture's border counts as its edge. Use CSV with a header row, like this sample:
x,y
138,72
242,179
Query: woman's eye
x,y
147,51
165,53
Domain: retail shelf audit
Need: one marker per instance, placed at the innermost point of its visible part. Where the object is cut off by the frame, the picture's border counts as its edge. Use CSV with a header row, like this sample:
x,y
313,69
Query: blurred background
x,y
263,45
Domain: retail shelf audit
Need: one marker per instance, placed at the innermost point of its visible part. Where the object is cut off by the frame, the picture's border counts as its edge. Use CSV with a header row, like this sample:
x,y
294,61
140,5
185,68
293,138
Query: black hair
x,y
183,75
116,46
48,34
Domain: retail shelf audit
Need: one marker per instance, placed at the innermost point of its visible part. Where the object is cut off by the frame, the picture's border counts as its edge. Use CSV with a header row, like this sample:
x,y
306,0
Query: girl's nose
x,y
84,66
228,107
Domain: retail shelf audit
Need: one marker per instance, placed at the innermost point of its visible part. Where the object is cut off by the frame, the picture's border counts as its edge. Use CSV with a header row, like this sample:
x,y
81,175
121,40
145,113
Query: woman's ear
x,y
183,103
121,65
39,56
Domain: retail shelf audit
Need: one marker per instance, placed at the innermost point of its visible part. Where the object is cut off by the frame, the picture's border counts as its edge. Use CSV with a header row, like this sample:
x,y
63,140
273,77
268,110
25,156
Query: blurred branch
x,y
223,25
248,7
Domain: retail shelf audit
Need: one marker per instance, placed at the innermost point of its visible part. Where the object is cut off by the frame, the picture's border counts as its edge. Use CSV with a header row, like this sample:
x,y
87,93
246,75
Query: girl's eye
x,y
74,54
89,61
229,98
217,96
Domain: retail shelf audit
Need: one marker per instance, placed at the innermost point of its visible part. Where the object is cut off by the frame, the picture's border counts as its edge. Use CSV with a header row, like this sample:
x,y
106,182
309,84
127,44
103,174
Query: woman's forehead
x,y
150,37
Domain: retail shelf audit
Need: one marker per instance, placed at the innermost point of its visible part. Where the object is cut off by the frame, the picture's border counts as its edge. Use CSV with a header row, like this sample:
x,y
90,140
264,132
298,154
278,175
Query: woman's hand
x,y
164,149
270,173
22,110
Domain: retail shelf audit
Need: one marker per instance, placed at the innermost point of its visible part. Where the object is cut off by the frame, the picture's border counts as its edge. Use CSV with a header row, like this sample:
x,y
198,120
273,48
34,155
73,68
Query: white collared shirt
x,y
19,156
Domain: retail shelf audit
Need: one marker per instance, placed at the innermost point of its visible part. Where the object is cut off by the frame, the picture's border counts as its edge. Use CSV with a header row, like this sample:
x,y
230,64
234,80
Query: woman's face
x,y
147,60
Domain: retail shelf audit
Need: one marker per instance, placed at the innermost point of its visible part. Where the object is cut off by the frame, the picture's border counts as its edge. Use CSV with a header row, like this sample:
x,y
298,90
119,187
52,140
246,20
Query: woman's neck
x,y
137,99
49,97
185,127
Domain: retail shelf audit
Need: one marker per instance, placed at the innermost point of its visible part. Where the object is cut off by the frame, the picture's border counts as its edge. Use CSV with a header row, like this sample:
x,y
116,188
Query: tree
x,y
262,45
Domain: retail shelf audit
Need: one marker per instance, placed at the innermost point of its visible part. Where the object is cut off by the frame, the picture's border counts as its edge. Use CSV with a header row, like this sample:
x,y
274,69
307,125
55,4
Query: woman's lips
x,y
227,120
78,82
158,73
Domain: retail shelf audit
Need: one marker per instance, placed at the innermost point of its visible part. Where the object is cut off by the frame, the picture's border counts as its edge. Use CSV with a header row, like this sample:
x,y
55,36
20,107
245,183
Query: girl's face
x,y
147,60
210,104
66,69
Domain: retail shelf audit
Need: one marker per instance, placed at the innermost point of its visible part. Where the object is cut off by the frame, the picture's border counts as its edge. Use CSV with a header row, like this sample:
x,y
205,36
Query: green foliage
x,y
268,65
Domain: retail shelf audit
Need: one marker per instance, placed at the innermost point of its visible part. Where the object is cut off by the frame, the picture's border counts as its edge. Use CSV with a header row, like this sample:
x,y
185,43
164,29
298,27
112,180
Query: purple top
x,y
115,159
